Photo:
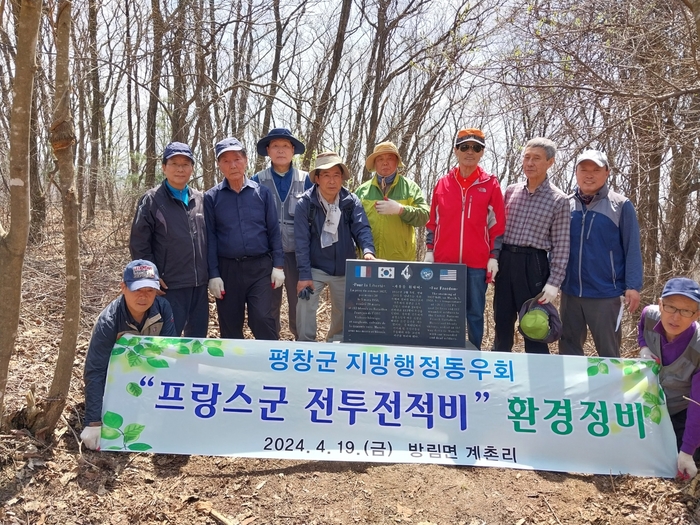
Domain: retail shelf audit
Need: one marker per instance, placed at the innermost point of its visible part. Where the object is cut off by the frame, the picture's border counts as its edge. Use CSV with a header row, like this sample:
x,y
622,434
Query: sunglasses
x,y
476,148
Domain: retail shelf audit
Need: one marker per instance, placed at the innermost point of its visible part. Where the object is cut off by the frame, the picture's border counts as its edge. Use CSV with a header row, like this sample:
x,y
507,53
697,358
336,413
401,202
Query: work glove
x,y
429,257
388,207
491,270
277,277
216,287
306,293
645,353
91,437
549,293
686,466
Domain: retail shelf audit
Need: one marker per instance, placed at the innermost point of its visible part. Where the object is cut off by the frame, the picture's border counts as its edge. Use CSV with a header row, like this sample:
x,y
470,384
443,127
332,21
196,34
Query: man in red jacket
x,y
466,216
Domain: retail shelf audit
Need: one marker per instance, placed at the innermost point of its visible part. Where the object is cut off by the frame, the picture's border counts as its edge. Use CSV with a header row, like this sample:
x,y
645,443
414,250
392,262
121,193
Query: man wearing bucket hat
x,y
395,206
668,333
466,217
286,183
605,263
533,252
169,229
244,247
329,223
138,310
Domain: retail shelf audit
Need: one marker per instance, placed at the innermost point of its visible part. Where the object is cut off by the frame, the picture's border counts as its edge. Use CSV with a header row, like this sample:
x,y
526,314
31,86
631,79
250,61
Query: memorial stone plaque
x,y
405,303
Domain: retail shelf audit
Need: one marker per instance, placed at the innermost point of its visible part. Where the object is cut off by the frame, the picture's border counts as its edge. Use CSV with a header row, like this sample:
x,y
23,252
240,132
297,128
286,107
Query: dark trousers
x,y
190,310
522,275
578,314
291,278
247,282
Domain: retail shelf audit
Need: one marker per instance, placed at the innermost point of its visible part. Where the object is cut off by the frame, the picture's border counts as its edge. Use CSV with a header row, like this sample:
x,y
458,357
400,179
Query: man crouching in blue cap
x,y
668,333
137,311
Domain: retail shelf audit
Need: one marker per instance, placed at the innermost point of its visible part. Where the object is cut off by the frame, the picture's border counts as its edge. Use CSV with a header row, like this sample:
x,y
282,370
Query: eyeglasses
x,y
476,148
672,310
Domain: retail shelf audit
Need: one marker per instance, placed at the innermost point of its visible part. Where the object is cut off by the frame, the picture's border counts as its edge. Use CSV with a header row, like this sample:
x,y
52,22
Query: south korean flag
x,y
386,272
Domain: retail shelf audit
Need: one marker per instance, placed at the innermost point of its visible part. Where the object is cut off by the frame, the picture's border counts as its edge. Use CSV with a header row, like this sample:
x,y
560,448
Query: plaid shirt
x,y
539,220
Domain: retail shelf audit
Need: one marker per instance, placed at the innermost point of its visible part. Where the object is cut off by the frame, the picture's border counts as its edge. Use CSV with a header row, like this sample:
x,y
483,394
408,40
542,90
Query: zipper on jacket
x,y
590,227
580,251
194,245
461,225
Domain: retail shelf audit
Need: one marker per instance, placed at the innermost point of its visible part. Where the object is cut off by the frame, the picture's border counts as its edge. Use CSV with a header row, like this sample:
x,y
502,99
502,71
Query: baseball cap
x,y
228,144
470,135
682,286
141,274
177,148
539,322
600,158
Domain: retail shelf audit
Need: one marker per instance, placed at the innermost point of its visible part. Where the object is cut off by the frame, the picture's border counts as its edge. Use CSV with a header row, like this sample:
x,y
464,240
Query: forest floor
x,y
58,483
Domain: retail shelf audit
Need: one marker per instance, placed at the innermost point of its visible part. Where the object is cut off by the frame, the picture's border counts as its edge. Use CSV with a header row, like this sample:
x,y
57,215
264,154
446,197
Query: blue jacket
x,y
115,321
605,258
308,223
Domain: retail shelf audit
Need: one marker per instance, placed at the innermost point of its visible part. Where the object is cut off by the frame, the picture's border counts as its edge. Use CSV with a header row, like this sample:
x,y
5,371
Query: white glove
x,y
91,437
686,466
491,270
645,353
549,293
429,257
216,287
388,207
277,277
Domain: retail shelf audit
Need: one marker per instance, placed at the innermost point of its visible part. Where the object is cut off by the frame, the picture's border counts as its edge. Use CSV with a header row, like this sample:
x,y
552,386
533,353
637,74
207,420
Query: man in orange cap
x,y
466,216
395,206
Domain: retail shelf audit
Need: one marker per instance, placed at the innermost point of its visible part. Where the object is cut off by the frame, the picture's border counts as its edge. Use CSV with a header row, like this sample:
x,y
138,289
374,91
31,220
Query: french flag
x,y
363,271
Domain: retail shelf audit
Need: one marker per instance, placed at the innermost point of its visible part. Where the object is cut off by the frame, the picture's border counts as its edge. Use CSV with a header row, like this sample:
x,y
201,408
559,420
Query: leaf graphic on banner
x,y
651,398
139,447
594,360
121,341
118,351
110,433
157,363
133,358
134,389
616,361
112,419
592,371
113,447
662,396
647,410
603,368
656,368
132,432
213,342
197,347
655,415
183,349
133,341
629,370
215,352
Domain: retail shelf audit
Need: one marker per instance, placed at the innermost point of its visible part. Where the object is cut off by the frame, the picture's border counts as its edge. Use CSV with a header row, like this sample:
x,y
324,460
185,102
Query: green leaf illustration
x,y
662,396
656,368
132,432
118,351
629,370
594,360
139,447
592,371
113,447
133,341
215,352
112,420
652,399
213,342
603,368
121,341
615,361
157,363
655,415
630,362
134,389
133,358
183,349
110,433
197,347
647,410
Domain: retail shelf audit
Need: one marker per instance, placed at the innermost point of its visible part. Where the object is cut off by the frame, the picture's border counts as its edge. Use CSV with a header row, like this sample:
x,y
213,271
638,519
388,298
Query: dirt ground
x,y
57,483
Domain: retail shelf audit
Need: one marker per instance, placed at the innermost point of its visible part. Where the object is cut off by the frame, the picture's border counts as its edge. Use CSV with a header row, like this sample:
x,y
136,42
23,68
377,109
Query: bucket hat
x,y
539,322
327,160
380,149
279,133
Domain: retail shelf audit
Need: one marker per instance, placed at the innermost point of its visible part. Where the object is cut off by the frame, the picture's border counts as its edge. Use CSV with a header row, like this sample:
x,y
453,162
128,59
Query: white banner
x,y
344,402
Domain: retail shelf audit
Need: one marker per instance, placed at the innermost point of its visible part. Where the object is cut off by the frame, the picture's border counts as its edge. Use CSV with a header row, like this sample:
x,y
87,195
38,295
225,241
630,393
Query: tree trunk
x,y
36,188
62,141
13,243
151,158
95,111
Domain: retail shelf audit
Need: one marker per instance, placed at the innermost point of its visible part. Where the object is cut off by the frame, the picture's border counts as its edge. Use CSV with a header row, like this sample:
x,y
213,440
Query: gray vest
x,y
676,377
285,210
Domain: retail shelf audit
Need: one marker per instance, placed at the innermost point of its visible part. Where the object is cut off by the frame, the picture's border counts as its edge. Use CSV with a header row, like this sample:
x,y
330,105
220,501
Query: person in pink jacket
x,y
466,216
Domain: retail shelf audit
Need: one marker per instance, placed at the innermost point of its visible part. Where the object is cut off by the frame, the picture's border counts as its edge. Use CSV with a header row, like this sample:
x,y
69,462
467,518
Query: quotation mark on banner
x,y
480,395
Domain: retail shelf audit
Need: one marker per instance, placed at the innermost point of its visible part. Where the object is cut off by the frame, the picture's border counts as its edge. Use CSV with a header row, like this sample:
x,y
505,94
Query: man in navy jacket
x,y
604,272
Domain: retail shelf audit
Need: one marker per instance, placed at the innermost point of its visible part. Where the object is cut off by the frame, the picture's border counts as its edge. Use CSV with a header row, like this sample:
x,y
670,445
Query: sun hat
x,y
279,133
682,286
228,144
380,149
600,158
141,274
177,148
539,322
470,135
327,160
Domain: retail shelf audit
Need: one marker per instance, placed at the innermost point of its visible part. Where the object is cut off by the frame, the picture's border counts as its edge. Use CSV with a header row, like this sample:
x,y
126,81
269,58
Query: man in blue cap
x,y
169,229
286,183
137,311
245,257
668,334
